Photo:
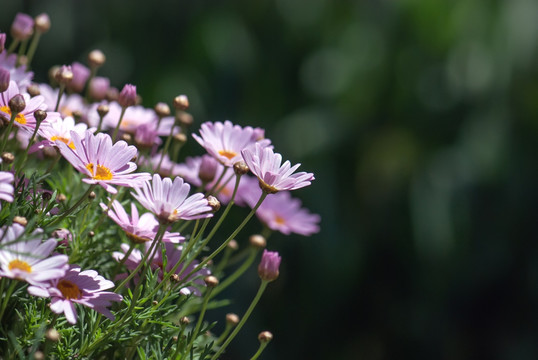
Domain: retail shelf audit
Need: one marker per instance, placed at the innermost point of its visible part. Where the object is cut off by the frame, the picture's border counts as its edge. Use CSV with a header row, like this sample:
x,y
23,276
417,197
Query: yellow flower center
x,y
102,172
66,141
19,118
65,111
280,220
20,265
137,239
228,154
69,289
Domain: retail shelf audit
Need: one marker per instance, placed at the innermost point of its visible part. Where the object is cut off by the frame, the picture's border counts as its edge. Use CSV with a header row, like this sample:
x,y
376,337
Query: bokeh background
x,y
419,119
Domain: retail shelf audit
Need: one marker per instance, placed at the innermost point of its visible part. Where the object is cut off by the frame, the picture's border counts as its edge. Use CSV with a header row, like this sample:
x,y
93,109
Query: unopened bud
x,y
42,23
213,202
103,109
96,58
39,355
265,337
154,303
184,119
22,27
64,75
181,102
127,137
91,195
162,109
8,158
175,278
17,104
52,334
2,41
46,195
258,241
5,77
211,281
40,115
127,96
98,87
233,245
33,90
232,319
112,94
53,73
91,234
180,138
21,220
184,321
61,198
240,168
50,152
81,74
208,168
268,270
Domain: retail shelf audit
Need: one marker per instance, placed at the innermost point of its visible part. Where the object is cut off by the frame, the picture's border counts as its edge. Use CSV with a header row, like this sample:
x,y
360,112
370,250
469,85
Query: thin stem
x,y
13,46
115,133
165,149
196,330
9,292
8,131
244,319
60,93
32,48
260,350
25,155
217,182
74,207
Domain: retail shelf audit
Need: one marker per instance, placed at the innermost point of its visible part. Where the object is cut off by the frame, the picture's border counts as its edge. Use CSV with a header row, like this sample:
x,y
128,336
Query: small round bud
x,y
211,281
17,104
232,319
42,23
61,198
8,158
50,152
96,58
162,109
233,245
154,303
174,338
40,115
112,94
53,72
175,278
208,168
127,137
208,262
38,355
265,337
2,41
21,220
77,114
103,109
46,195
258,241
180,138
184,321
33,90
92,195
98,87
64,75
22,27
5,77
91,234
184,119
181,102
213,202
240,168
127,96
268,270
52,335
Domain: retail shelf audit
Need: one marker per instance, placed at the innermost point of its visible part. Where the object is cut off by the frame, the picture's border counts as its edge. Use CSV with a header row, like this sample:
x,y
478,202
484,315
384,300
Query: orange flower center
x,y
280,220
66,141
20,265
19,118
102,172
228,154
137,239
69,290
66,111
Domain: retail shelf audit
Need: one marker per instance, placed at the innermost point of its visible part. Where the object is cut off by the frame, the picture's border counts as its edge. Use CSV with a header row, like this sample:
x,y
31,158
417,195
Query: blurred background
x,y
419,119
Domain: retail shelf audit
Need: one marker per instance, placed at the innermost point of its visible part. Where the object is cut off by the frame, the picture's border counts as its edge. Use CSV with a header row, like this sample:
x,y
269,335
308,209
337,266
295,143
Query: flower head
x,y
22,27
273,176
268,268
127,96
29,260
104,164
59,130
17,72
78,287
6,189
169,201
224,141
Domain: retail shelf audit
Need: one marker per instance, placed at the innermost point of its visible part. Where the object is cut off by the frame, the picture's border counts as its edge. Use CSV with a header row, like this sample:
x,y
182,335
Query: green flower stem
x,y
101,117
233,235
260,350
165,149
224,334
244,319
7,132
237,273
224,185
74,207
13,46
196,330
60,93
32,48
179,338
122,261
217,182
7,296
115,133
25,154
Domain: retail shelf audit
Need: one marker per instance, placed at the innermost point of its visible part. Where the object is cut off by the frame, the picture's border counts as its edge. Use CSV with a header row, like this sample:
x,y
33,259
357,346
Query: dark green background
x,y
419,119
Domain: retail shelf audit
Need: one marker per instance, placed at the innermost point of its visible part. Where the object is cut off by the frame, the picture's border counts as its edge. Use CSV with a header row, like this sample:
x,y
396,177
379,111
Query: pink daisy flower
x,y
169,201
29,259
58,130
17,73
69,103
224,141
272,174
6,189
78,287
138,229
172,256
105,164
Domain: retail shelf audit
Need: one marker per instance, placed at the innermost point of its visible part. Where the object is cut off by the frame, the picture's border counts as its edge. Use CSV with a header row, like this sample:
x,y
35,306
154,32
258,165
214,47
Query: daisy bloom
x,y
224,141
169,201
17,73
6,189
172,256
29,260
78,287
138,229
105,164
69,103
274,176
58,130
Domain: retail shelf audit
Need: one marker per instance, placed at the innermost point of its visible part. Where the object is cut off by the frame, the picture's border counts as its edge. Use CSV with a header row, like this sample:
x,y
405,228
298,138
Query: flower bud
x,y
265,337
61,198
184,321
184,119
53,72
211,281
64,75
8,158
52,335
213,202
180,138
208,168
21,220
5,77
233,245
127,96
162,109
257,241
98,87
175,278
63,235
2,42
240,168
22,27
112,94
39,355
42,23
232,319
181,102
91,234
17,104
91,195
268,268
96,58
33,90
40,115
81,74
103,109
